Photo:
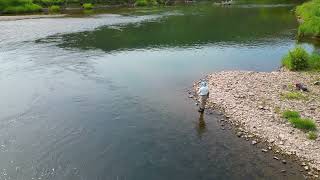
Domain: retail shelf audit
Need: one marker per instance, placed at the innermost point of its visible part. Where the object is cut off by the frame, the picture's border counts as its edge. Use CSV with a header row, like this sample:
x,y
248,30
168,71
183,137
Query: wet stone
x,y
254,142
264,150
284,161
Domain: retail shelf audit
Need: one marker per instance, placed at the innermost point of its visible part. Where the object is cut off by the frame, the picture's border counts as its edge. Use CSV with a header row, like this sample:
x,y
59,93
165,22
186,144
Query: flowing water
x,y
104,96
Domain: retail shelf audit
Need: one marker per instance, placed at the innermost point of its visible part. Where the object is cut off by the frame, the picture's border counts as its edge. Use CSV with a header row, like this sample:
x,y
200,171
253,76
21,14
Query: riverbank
x,y
254,102
13,18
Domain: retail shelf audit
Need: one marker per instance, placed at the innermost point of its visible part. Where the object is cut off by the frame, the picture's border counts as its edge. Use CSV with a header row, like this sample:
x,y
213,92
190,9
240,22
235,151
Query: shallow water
x,y
104,96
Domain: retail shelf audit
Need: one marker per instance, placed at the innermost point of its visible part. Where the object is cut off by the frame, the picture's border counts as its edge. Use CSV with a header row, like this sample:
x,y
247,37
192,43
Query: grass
x,y
312,135
303,123
290,114
309,12
293,96
277,110
54,9
295,119
298,59
87,6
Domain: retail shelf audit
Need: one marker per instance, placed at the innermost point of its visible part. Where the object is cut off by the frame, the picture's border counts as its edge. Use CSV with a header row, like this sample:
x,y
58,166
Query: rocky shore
x,y
253,103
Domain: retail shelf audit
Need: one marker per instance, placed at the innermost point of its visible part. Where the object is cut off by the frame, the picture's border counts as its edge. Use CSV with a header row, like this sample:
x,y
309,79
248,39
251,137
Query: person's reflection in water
x,y
201,126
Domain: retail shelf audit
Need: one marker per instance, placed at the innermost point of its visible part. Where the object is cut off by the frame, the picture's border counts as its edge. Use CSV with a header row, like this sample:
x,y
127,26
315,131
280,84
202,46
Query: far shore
x,y
253,102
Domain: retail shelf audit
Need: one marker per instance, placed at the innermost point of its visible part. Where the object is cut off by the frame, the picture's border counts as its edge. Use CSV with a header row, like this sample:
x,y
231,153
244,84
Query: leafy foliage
x,y
54,9
314,62
146,3
309,12
87,6
18,6
296,59
48,3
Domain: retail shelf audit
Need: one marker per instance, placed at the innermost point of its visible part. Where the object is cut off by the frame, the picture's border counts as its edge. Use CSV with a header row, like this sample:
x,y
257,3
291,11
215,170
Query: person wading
x,y
203,94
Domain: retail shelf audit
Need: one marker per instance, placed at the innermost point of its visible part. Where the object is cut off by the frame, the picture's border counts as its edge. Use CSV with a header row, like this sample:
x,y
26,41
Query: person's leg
x,y
202,103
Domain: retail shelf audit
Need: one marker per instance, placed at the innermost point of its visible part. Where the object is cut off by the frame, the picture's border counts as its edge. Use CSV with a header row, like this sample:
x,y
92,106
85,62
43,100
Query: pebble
x,y
239,134
276,158
270,148
281,142
254,142
283,171
284,161
306,168
264,150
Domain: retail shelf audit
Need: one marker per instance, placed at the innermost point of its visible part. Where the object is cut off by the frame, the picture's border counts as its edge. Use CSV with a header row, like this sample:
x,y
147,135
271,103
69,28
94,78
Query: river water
x,y
104,96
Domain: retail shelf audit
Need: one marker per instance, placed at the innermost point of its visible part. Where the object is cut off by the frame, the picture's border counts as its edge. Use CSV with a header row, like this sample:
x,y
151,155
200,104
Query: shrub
x,y
54,9
314,62
290,114
18,6
296,59
310,27
312,135
87,6
310,14
304,124
145,3
309,9
141,3
48,3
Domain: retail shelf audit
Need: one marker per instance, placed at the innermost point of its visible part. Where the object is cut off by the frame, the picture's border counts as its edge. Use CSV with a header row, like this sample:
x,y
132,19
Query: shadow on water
x,y
192,26
201,128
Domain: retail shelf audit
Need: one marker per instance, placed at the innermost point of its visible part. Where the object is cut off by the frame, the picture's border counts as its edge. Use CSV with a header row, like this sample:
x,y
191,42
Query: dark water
x,y
104,97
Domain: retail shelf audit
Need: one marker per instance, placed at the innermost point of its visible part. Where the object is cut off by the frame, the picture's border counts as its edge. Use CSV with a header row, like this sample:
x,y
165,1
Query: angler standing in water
x,y
204,95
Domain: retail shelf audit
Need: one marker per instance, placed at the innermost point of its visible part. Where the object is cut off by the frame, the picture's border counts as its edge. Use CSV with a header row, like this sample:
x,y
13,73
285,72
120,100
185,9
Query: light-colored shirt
x,y
203,91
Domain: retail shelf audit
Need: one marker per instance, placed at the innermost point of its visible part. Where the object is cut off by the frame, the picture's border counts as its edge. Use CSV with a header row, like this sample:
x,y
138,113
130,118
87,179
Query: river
x,y
105,96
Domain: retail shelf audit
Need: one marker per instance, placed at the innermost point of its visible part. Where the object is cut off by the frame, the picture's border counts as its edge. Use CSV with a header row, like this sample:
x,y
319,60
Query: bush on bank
x,y
296,59
18,6
87,6
309,13
299,59
48,3
54,9
145,3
